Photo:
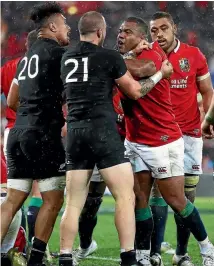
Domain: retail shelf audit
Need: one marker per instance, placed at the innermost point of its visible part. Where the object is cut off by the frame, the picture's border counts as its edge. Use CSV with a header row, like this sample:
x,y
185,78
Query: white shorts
x,y
13,230
48,184
96,176
163,161
192,155
6,133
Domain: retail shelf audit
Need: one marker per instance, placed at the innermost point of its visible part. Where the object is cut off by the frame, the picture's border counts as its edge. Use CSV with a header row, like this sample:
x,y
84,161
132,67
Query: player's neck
x,y
90,39
172,47
47,36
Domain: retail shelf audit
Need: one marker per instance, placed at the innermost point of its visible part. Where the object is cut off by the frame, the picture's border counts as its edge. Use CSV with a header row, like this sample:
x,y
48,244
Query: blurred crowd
x,y
194,19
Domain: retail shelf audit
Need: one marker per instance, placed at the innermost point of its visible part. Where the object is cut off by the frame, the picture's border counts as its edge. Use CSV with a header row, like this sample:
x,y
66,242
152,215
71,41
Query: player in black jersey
x,y
35,150
89,72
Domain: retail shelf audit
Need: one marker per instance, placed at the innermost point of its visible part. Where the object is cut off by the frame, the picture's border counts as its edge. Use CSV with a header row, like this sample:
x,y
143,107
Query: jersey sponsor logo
x,y
162,170
184,65
196,167
164,138
179,83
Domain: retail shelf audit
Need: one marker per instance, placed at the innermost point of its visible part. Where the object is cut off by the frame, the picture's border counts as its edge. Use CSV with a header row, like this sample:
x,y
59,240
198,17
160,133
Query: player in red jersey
x,y
191,75
154,146
8,72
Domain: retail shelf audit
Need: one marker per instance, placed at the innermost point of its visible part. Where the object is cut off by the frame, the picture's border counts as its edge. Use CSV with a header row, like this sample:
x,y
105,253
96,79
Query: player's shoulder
x,y
156,53
47,48
189,48
109,54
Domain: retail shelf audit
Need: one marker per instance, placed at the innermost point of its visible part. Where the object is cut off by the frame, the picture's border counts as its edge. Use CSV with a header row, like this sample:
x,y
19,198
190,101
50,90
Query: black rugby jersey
x,y
40,86
88,72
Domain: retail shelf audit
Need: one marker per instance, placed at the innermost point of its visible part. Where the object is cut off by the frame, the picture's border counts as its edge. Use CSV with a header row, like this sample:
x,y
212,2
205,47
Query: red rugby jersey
x,y
150,120
190,66
8,72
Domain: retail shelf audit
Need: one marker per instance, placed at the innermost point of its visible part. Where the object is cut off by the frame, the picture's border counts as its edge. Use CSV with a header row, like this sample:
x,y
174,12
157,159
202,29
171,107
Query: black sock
x,y
5,261
31,220
183,234
191,218
128,257
86,228
88,219
37,252
160,213
65,260
144,227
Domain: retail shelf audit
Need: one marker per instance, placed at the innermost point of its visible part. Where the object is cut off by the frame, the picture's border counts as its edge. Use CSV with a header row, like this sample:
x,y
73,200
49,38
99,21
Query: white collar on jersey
x,y
178,46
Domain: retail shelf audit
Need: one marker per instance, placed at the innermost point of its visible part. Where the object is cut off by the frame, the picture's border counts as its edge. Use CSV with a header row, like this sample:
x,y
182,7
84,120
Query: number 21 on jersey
x,y
75,67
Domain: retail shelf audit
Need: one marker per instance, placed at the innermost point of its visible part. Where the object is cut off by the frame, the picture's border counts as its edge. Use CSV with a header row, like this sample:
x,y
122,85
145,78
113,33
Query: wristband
x,y
157,77
209,119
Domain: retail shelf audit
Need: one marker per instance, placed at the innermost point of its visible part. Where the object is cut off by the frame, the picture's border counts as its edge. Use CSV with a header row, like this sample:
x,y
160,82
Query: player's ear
x,y
52,27
99,33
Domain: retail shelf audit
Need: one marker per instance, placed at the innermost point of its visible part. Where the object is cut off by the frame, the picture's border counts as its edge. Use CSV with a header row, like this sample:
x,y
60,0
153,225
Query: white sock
x,y
65,251
144,251
126,250
204,245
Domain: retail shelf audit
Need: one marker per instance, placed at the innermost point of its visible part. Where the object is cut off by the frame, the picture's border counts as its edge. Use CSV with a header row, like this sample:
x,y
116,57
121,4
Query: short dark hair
x,y
90,22
31,38
144,29
161,14
41,12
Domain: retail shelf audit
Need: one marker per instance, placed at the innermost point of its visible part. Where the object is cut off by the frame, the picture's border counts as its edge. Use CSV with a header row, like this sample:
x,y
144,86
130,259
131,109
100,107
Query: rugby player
x,y
191,75
34,148
88,218
155,147
89,72
7,74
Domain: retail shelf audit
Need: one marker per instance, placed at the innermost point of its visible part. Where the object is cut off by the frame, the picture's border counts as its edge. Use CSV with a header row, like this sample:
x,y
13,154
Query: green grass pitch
x,y
106,236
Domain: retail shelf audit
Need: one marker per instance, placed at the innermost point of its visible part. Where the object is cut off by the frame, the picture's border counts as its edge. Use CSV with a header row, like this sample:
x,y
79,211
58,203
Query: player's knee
x,y
92,205
53,204
11,205
191,182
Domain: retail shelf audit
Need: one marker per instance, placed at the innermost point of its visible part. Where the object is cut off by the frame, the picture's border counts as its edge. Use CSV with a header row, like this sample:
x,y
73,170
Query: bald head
x,y
91,22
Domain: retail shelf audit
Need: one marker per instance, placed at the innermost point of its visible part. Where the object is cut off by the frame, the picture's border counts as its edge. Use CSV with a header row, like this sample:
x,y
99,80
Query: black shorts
x,y
87,147
35,154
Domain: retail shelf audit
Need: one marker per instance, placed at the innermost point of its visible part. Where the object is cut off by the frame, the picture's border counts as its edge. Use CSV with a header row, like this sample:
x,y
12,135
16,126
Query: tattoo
x,y
146,86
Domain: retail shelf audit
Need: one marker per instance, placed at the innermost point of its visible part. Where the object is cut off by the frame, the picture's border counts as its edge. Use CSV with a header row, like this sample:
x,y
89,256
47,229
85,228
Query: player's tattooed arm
x,y
146,86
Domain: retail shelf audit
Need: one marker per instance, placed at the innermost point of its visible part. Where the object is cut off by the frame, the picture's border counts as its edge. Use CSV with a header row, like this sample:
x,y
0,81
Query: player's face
x,y
163,31
128,37
63,30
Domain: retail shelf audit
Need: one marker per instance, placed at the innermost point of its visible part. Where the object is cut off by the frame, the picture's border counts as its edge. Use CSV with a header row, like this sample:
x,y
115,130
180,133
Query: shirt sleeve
x,y
118,65
202,71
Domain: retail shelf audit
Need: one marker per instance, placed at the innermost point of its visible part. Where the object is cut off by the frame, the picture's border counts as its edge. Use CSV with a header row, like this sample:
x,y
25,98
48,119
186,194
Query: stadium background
x,y
195,24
